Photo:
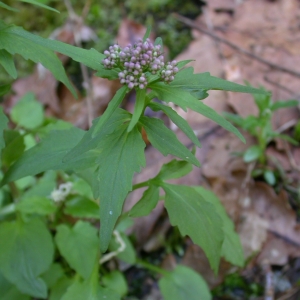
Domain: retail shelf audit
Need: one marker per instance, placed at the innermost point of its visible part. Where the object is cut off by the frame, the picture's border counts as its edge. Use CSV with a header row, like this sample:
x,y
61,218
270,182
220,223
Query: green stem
x,y
140,185
152,267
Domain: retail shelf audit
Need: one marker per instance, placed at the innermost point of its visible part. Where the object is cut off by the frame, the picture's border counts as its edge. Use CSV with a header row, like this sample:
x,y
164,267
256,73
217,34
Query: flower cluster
x,y
135,60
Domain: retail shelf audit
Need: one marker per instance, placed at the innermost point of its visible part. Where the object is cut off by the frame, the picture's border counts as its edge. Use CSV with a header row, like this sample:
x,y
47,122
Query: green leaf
x,y
16,40
129,254
284,104
269,177
197,218
9,291
37,3
26,251
147,33
3,5
174,169
3,125
182,63
28,112
48,155
91,141
138,108
252,153
36,205
187,80
184,283
7,61
53,274
82,207
91,58
231,248
14,142
116,281
109,74
60,288
165,140
184,99
121,155
74,243
4,89
111,108
159,41
146,204
178,120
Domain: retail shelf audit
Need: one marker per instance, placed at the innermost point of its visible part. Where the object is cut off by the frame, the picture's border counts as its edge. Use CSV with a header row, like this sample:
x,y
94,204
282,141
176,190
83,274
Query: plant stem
x,y
152,267
140,185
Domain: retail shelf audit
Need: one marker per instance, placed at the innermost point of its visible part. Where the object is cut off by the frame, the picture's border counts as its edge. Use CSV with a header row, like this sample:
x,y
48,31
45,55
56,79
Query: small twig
x,y
269,283
192,24
289,294
287,125
282,87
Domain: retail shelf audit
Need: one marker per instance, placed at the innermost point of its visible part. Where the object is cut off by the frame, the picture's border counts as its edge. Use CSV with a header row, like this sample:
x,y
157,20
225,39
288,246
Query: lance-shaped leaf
x,y
109,74
3,125
147,203
165,140
26,251
3,5
48,155
74,243
7,61
188,80
184,283
197,218
138,108
13,40
111,108
91,58
185,100
178,120
90,142
231,248
121,155
37,3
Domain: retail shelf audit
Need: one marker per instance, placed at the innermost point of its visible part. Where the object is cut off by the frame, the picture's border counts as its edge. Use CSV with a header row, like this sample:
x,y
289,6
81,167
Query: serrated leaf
x,y
48,155
197,218
174,169
252,153
129,254
188,80
111,108
146,204
26,251
37,3
178,120
165,140
3,5
184,99
121,155
3,126
90,142
109,74
138,108
36,205
28,112
74,243
284,104
91,58
231,248
15,40
82,207
4,89
184,283
7,61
